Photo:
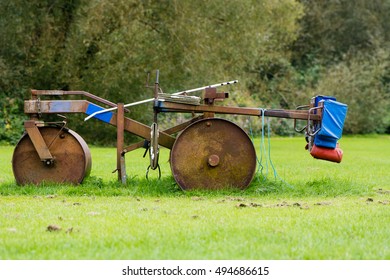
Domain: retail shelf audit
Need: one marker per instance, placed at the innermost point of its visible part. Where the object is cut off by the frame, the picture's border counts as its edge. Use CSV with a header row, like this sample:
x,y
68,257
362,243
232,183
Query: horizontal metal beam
x,y
164,106
36,92
55,106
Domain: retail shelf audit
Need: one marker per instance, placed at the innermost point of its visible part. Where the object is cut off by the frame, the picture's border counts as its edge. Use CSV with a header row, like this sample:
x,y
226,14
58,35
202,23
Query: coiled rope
x,y
265,152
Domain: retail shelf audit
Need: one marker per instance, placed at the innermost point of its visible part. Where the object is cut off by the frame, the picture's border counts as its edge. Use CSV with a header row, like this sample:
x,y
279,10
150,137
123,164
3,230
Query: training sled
x,y
208,152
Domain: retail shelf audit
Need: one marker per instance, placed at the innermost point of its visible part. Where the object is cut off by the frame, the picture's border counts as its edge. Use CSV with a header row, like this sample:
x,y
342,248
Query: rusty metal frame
x,y
121,163
80,106
35,107
164,107
36,93
169,131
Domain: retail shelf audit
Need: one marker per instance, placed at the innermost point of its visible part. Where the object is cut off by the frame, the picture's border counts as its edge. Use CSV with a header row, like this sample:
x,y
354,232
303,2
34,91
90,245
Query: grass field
x,y
312,210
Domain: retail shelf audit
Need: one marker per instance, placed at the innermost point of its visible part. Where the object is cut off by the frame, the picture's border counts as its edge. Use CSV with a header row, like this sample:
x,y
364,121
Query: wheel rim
x,y
213,154
72,158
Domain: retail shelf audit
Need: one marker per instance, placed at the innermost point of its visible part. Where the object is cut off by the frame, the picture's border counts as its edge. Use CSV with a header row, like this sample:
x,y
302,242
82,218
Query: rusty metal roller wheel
x,y
72,158
213,154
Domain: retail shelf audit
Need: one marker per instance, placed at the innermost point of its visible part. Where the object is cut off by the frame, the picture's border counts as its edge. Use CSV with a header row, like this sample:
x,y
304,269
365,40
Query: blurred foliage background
x,y
282,52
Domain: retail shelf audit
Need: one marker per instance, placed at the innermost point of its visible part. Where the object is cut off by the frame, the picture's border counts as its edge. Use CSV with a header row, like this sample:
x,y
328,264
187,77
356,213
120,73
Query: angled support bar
x,y
38,142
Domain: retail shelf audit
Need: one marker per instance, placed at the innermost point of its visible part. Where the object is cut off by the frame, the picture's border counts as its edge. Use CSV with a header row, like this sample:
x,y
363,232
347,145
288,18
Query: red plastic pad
x,y
334,155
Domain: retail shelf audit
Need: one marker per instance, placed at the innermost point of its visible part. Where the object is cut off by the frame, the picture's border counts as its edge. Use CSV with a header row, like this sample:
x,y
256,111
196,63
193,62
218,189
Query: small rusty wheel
x,y
72,158
213,154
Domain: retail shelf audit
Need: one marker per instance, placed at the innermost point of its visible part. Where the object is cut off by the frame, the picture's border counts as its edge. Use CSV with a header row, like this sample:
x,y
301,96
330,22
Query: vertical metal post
x,y
156,88
121,164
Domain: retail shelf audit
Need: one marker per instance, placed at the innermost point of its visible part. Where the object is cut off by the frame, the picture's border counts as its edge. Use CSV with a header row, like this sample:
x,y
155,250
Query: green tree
x,y
32,35
333,28
193,43
359,83
343,51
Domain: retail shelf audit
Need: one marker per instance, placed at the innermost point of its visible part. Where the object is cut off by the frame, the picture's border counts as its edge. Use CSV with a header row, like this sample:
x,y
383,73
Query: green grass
x,y
192,228
313,210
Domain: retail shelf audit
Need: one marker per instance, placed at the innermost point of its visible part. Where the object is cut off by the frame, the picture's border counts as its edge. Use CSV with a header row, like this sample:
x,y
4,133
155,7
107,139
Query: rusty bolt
x,y
213,160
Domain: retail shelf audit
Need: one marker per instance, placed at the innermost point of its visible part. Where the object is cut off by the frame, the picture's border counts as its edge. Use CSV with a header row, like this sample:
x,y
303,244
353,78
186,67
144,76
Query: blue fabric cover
x,y
319,98
333,117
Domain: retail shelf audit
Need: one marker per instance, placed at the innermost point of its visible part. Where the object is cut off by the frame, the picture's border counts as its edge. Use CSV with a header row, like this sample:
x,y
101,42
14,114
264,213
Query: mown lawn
x,y
312,210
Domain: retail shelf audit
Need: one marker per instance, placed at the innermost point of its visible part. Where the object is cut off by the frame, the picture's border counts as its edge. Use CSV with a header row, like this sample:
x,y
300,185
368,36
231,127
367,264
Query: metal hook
x,y
159,172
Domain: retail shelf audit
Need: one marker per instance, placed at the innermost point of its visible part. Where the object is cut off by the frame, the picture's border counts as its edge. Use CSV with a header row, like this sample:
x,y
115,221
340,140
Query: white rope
x,y
114,108
152,99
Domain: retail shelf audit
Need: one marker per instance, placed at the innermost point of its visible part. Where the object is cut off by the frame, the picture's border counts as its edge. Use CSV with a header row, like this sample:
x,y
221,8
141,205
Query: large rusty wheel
x,y
72,158
213,154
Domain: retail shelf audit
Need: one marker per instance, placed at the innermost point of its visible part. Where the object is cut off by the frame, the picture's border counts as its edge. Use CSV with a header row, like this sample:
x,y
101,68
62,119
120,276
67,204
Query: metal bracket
x,y
309,133
147,172
154,147
38,142
211,95
300,130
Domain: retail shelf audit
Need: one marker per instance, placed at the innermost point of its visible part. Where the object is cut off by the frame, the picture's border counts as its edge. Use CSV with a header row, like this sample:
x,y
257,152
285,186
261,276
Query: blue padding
x,y
92,108
333,117
319,98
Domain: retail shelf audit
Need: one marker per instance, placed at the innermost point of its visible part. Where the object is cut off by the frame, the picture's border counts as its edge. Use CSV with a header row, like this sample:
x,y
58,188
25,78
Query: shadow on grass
x,y
167,187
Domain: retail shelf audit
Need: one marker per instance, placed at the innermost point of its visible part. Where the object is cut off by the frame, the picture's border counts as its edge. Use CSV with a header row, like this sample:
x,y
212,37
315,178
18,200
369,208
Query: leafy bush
x,y
360,82
11,122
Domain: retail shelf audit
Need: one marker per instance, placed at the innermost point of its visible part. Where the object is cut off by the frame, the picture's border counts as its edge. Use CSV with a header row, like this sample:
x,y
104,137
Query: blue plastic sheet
x,y
333,117
319,98
105,117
